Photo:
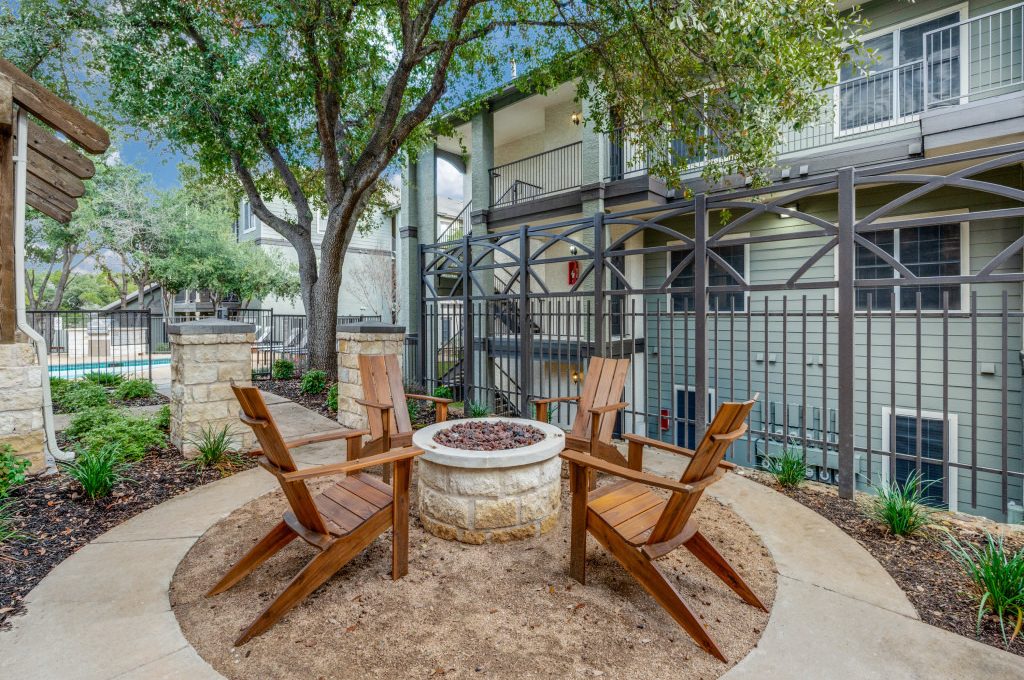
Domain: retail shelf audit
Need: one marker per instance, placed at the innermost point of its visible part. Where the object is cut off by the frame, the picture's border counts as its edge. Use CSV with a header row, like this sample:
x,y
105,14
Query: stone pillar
x,y
206,356
21,392
353,340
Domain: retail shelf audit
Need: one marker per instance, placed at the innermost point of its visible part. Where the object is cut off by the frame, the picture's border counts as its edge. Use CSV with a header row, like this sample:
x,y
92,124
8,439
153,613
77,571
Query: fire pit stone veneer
x,y
489,496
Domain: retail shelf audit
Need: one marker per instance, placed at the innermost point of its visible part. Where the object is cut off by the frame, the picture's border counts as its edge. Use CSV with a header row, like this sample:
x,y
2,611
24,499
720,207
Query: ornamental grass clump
x,y
789,469
7,530
475,410
134,389
215,450
313,382
900,507
97,471
998,578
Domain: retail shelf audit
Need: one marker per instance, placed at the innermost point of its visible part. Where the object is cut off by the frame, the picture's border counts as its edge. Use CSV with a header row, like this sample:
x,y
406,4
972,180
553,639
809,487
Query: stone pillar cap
x,y
210,326
371,327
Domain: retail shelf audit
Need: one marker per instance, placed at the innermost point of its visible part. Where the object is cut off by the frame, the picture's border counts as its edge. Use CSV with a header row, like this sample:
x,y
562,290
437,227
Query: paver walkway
x,y
104,613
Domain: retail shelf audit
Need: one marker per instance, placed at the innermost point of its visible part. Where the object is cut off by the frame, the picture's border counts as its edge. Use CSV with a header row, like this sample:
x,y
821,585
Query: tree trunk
x,y
321,303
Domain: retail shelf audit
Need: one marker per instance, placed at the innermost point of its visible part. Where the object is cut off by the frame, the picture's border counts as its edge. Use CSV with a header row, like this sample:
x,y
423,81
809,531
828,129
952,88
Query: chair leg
x,y
704,551
655,583
278,537
400,520
578,482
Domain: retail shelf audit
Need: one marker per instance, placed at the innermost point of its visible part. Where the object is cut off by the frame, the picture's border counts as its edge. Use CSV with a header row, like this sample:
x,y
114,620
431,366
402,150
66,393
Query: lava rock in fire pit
x,y
488,436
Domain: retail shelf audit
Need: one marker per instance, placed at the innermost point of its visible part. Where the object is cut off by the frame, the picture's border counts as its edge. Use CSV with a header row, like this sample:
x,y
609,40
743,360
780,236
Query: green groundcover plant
x,y
313,382
12,469
332,397
134,389
79,395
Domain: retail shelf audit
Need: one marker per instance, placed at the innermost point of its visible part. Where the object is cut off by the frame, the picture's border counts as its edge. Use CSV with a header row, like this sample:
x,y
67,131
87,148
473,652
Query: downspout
x,y
20,167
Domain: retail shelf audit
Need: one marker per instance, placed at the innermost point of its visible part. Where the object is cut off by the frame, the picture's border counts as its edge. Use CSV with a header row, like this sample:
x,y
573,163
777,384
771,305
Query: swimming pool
x,y
128,366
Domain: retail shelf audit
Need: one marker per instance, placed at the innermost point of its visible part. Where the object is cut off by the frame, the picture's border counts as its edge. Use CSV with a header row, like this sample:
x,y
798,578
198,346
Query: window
x,y
249,221
925,251
933,434
735,256
887,83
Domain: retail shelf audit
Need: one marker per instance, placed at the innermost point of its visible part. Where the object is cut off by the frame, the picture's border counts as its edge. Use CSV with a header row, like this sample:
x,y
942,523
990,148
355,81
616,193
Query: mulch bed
x,y
933,582
292,389
156,400
58,519
488,436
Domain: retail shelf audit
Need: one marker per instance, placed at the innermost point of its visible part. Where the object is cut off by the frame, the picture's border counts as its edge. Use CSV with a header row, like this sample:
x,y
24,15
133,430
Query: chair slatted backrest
x,y
382,383
728,425
602,386
256,415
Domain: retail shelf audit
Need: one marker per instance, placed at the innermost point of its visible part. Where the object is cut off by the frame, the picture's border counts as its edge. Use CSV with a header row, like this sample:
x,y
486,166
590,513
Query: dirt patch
x,y
292,389
502,610
934,583
57,519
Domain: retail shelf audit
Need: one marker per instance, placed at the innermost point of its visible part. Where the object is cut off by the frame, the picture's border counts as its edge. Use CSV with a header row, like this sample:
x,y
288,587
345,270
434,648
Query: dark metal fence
x,y
544,174
873,361
95,341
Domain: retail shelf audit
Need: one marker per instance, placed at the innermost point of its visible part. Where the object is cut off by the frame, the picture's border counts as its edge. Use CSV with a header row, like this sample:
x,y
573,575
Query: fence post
x,y
525,330
149,340
468,351
424,333
700,312
845,308
599,284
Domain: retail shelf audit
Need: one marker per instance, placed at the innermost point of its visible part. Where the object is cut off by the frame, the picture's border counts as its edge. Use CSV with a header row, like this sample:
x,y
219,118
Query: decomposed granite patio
x,y
105,612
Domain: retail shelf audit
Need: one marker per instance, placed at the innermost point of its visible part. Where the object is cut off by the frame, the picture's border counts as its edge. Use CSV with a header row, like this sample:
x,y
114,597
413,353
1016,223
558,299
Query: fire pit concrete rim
x,y
545,449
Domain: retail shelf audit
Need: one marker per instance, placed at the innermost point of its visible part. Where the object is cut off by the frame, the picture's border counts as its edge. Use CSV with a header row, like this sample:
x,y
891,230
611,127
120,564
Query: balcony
x,y
554,172
960,64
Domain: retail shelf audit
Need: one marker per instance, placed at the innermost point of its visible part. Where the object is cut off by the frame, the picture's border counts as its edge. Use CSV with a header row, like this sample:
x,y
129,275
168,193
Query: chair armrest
x,y
373,404
670,448
329,436
427,397
610,408
352,465
551,400
625,473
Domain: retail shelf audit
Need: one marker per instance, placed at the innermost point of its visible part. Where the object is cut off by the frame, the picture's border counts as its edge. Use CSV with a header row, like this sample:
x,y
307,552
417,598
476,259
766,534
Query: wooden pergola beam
x,y
52,194
54,111
45,207
42,167
63,154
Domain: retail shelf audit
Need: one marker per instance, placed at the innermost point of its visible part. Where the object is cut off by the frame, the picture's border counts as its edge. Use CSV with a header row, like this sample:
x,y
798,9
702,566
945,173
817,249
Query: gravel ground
x,y
934,583
500,611
56,519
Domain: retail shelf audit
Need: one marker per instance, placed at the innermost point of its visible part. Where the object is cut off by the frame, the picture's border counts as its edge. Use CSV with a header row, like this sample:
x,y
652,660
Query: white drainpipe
x,y
20,168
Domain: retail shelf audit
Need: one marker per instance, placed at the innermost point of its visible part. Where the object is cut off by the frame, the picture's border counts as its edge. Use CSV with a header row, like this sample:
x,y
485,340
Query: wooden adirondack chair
x,y
382,392
637,526
602,389
340,522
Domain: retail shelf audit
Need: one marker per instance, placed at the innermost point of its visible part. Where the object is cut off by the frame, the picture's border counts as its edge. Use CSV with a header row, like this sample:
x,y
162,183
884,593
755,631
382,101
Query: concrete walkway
x,y
104,613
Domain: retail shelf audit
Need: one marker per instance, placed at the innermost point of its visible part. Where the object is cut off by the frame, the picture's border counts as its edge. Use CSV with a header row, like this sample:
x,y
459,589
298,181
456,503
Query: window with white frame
x,y
736,256
890,80
249,221
926,251
936,446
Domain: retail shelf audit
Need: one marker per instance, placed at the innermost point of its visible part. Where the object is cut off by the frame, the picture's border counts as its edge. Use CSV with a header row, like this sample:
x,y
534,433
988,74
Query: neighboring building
x,y
950,79
368,274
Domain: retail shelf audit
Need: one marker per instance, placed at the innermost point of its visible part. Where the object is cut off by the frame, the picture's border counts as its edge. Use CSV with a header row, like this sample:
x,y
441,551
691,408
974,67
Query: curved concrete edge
x,y
104,613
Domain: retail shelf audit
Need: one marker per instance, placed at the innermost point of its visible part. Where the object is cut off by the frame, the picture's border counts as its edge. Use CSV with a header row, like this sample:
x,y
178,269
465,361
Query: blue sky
x,y
157,160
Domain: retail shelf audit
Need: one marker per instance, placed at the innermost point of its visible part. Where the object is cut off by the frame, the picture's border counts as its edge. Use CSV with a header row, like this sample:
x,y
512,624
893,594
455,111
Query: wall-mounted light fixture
x,y
573,250
575,377
575,118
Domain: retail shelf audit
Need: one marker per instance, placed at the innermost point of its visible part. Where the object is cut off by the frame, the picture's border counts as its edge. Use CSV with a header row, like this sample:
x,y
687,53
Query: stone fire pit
x,y
478,496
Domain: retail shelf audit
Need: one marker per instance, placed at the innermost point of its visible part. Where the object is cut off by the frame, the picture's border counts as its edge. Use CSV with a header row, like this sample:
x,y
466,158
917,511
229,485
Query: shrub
x,y
332,397
444,392
104,379
89,419
313,382
82,395
215,448
899,506
134,389
414,409
58,388
7,530
12,469
132,437
789,470
475,410
162,419
998,577
414,388
97,471
282,369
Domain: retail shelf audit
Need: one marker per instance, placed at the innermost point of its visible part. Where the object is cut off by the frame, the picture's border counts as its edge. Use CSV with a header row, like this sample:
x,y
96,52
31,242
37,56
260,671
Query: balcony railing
x,y
973,59
545,174
458,227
